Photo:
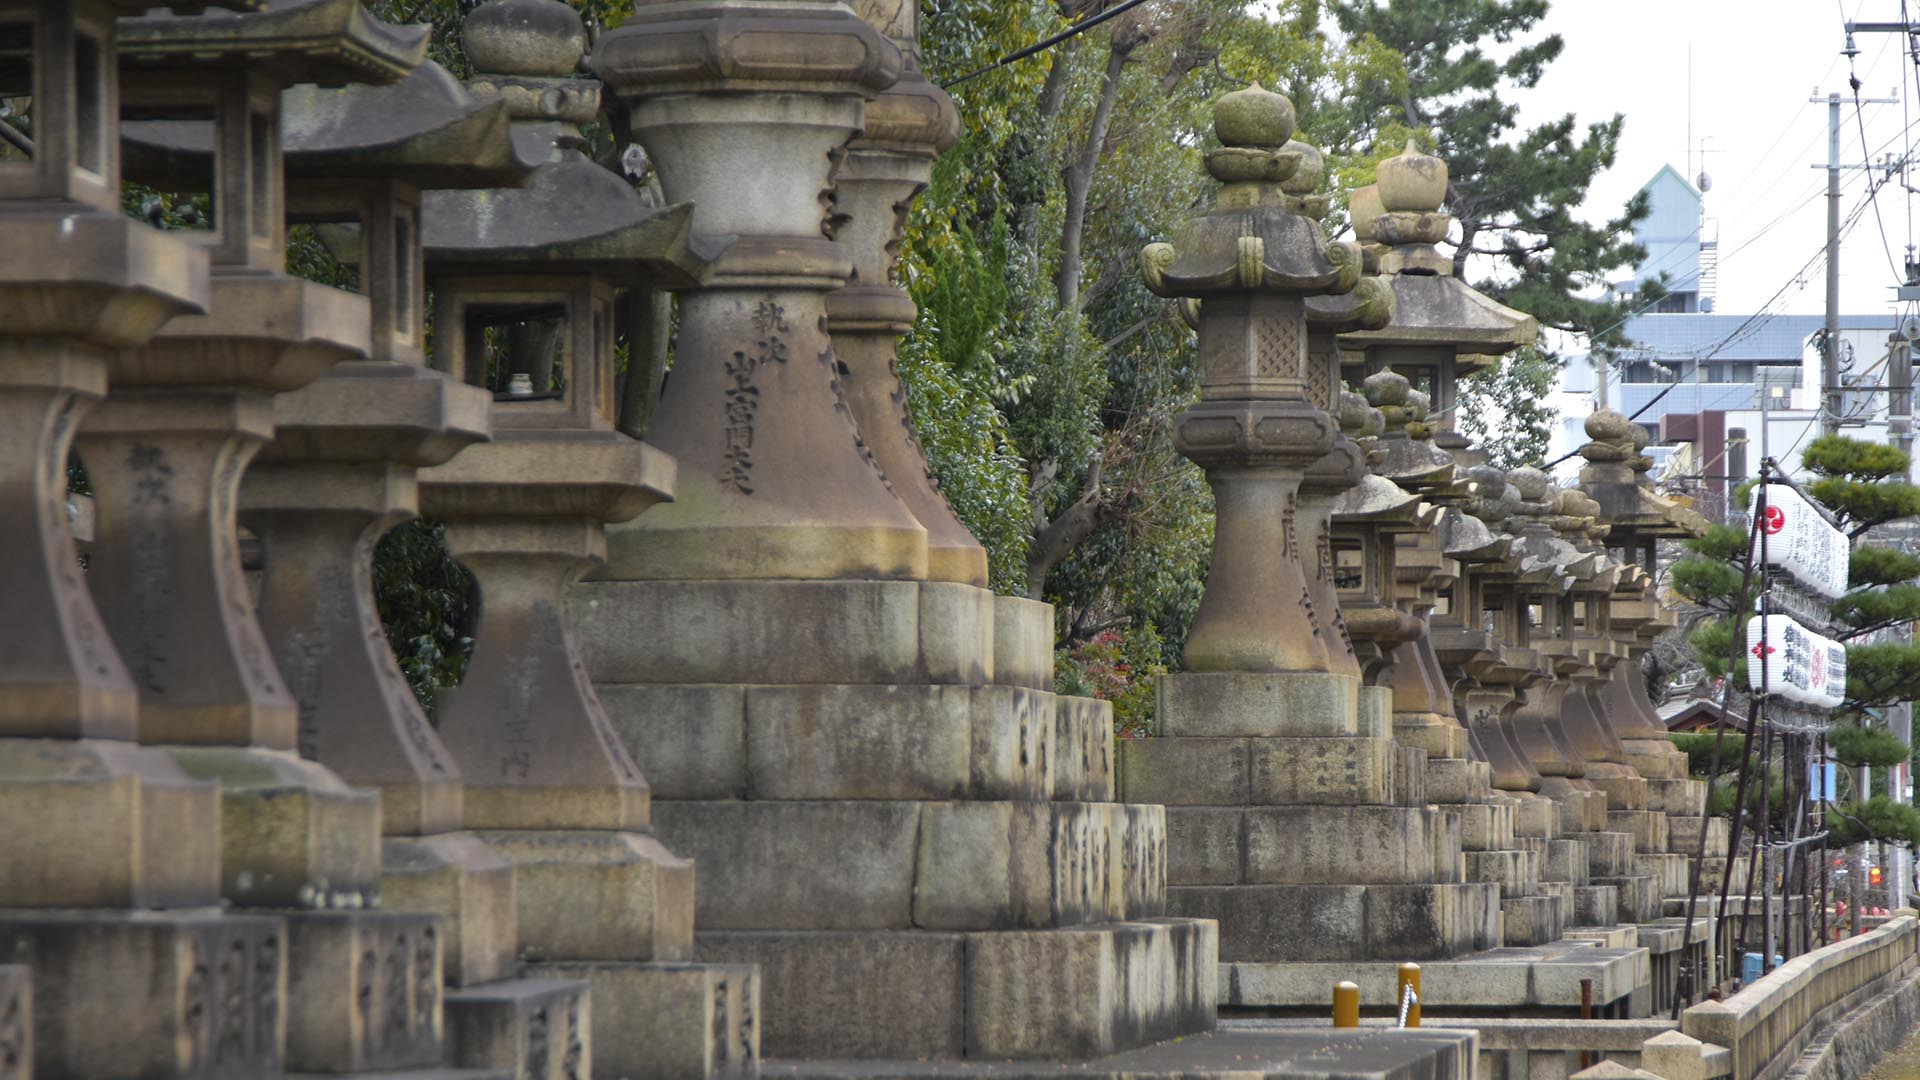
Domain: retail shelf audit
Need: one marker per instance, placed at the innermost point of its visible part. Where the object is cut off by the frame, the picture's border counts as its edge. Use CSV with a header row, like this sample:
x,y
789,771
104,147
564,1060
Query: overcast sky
x,y
1755,63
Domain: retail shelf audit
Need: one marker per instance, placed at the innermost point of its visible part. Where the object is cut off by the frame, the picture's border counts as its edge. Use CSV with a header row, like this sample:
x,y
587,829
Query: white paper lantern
x,y
1798,664
1799,542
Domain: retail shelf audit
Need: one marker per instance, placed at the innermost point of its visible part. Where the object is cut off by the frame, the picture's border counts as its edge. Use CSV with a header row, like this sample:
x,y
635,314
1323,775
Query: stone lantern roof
x,y
329,42
1408,461
426,129
1432,307
573,215
1615,477
1252,239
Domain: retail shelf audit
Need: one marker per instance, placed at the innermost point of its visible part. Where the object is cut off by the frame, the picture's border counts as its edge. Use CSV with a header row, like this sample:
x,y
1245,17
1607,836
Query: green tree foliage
x,y
1506,409
1875,819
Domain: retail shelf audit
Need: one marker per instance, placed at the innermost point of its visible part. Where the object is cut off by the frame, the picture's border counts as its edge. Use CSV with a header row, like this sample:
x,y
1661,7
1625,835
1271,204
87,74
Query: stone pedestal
x,y
888,825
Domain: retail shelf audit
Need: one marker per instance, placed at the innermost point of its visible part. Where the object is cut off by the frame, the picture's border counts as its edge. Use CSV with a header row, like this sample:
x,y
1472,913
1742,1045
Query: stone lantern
x,y
187,414
1273,861
525,282
110,877
341,472
857,742
1443,330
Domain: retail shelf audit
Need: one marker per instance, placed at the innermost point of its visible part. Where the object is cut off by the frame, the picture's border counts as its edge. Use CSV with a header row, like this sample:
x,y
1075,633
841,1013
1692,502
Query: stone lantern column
x,y
188,413
746,109
879,175
341,472
110,869
1275,858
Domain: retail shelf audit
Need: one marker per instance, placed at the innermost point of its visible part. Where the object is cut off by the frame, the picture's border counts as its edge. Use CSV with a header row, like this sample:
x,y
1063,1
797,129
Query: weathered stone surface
x,y
774,632
585,894
116,826
1336,771
1186,771
192,994
1353,845
1227,704
1088,992
16,1022
812,865
690,740
1205,845
457,877
1344,922
1022,642
363,991
860,742
533,1028
853,995
674,1021
291,833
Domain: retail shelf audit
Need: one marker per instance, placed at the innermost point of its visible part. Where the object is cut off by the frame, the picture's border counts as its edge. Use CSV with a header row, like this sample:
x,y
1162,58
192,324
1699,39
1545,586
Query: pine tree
x,y
1514,191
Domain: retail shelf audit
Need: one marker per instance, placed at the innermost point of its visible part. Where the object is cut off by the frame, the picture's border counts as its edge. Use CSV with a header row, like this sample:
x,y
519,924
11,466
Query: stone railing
x,y
1768,1024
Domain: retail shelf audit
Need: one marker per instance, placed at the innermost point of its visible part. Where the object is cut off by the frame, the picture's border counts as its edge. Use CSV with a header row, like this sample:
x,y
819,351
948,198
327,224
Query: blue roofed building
x,y
1694,377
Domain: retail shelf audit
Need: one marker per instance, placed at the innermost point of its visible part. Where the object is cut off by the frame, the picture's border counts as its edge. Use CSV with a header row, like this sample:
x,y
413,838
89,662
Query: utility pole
x,y
1830,343
1832,407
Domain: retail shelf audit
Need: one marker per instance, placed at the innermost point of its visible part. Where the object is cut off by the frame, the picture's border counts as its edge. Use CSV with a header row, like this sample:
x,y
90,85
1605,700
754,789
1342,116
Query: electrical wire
x,y
1075,30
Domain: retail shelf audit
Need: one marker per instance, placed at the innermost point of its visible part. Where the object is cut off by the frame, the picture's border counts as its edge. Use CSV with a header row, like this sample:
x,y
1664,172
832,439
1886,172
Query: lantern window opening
x,y
89,106
1349,566
18,70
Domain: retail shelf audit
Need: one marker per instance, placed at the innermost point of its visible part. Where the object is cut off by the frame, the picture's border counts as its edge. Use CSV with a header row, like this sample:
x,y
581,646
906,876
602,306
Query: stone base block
x,y
1536,817
1205,845
1659,759
1567,861
585,894
1640,897
1082,758
1529,920
531,1029
836,631
1581,811
1345,922
1562,895
1484,826
1224,704
1089,992
672,1021
1459,780
1647,827
292,834
1683,835
1049,993
1609,854
1595,905
1516,872
114,826
1336,771
1410,776
1360,845
194,995
1440,736
1624,788
1022,632
363,990
1677,798
457,877
1670,871
1374,713
879,865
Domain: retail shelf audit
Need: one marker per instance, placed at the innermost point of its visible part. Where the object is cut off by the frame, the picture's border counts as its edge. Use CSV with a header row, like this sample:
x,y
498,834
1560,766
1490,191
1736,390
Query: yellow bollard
x,y
1346,1004
1406,992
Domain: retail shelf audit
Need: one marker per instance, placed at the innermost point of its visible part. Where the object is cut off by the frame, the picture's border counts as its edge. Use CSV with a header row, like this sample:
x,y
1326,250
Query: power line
x,y
1076,29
